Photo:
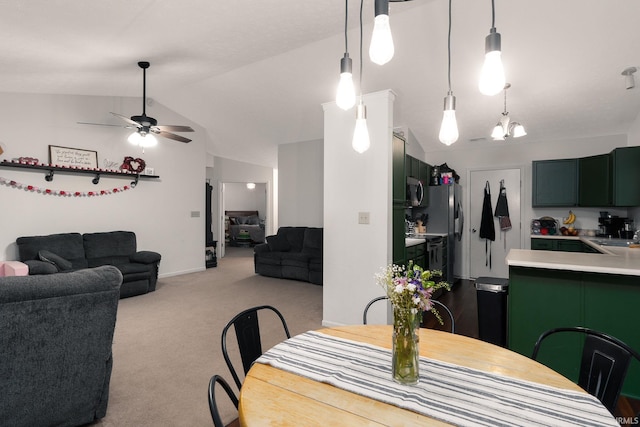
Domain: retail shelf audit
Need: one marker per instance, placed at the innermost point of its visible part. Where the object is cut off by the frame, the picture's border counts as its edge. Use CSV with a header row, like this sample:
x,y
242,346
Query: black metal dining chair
x,y
247,330
604,363
437,303
213,406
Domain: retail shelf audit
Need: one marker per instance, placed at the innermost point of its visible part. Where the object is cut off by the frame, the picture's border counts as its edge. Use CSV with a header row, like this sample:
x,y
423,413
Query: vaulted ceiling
x,y
255,74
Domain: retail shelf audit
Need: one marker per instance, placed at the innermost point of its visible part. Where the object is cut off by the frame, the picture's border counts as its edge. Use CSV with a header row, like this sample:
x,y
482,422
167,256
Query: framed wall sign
x,y
72,157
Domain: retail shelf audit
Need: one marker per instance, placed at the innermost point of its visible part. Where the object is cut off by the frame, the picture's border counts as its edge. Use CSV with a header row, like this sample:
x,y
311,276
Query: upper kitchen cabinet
x,y
595,183
555,183
626,176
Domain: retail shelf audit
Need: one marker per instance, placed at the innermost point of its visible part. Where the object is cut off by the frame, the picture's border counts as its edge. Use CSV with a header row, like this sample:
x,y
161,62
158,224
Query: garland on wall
x,y
64,193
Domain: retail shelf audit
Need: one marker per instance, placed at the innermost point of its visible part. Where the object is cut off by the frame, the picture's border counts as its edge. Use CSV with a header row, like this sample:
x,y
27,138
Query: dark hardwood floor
x,y
462,302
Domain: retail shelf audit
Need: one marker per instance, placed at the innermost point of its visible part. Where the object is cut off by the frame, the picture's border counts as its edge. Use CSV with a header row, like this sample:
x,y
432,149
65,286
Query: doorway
x,y
487,258
239,196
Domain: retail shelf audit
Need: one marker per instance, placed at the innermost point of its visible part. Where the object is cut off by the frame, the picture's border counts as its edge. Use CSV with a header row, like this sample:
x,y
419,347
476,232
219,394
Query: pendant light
x,y
449,127
492,78
361,142
346,93
381,49
505,126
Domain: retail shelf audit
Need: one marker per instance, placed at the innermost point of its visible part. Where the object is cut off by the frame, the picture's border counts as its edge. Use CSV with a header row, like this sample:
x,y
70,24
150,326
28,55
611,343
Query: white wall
x,y
355,183
238,197
300,186
158,211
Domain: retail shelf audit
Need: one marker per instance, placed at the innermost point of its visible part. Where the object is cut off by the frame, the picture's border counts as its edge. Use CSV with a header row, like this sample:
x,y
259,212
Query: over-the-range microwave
x,y
415,191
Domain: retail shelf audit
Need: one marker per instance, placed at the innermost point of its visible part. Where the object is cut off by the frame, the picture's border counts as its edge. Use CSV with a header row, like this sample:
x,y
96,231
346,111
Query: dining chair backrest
x,y
213,406
448,318
603,365
247,330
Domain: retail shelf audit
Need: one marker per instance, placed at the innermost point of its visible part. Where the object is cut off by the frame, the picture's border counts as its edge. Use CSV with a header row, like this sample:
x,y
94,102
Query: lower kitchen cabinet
x,y
542,299
417,254
564,245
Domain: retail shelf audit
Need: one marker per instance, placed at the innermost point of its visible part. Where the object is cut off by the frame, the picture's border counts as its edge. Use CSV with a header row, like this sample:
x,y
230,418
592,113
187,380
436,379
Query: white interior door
x,y
489,259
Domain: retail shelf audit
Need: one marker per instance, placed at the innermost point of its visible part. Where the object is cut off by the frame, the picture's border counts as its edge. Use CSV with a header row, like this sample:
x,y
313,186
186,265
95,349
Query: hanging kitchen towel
x,y
502,212
487,228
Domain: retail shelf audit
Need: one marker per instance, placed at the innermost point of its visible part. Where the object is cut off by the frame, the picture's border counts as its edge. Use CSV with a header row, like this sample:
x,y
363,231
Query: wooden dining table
x,y
274,397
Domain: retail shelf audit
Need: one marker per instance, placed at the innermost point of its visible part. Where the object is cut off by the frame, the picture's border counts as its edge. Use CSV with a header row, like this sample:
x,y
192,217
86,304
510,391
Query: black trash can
x,y
492,309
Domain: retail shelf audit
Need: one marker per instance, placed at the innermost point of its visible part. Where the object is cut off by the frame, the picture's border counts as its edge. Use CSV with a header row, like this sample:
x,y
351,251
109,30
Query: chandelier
x,y
505,126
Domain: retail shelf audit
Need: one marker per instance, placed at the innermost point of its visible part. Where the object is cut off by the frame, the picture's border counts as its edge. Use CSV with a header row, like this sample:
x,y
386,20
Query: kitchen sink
x,y
621,243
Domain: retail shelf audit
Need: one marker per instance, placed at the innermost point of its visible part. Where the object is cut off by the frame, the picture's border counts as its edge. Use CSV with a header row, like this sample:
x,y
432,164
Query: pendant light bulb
x,y
449,127
361,141
492,79
381,49
346,94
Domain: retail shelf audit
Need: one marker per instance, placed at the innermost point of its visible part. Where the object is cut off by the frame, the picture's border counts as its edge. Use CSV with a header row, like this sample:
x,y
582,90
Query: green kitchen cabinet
x,y
626,176
563,245
425,177
417,254
595,181
399,184
555,183
542,299
398,239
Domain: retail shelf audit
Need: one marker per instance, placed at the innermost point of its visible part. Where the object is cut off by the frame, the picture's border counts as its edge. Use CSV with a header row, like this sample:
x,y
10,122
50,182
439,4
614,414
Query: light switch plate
x,y
195,214
363,217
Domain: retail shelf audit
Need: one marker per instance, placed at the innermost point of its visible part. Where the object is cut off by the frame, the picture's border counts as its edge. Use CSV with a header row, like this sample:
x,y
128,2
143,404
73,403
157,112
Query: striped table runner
x,y
451,393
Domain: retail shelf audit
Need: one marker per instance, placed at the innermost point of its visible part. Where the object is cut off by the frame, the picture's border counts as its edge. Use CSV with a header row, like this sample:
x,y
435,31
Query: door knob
x,y
473,230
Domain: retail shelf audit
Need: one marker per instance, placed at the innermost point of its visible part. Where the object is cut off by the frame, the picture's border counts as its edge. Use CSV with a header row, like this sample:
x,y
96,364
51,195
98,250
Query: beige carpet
x,y
167,343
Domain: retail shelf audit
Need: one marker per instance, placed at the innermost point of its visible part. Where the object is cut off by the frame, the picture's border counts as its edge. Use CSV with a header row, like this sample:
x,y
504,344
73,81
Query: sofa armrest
x,y
261,248
40,267
145,257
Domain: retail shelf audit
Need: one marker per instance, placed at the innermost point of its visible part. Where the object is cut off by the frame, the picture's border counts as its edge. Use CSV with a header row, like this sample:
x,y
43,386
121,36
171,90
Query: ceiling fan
x,y
147,126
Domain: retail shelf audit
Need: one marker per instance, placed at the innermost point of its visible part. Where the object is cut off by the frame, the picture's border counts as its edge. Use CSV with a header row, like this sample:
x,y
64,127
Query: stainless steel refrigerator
x,y
446,217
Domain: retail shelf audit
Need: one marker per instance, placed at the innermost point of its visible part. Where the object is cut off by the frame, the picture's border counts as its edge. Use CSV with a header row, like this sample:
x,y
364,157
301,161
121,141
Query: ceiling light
x,y
449,127
492,78
381,49
251,185
505,126
346,93
361,141
142,139
628,77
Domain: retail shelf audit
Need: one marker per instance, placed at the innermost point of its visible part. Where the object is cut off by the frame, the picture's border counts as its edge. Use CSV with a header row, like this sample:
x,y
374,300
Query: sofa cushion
x,y
67,245
271,258
278,244
109,244
60,263
313,241
294,235
296,259
146,257
40,267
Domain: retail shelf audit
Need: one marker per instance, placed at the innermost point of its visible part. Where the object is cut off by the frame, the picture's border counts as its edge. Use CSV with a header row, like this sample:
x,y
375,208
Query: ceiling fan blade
x,y
101,124
174,128
128,120
170,135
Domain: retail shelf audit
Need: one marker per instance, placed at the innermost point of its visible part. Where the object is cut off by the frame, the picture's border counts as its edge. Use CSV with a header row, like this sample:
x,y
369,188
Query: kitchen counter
x,y
418,239
611,260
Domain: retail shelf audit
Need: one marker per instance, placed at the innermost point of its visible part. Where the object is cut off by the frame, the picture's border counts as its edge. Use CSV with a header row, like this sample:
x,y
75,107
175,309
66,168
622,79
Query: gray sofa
x,y
67,252
55,346
293,253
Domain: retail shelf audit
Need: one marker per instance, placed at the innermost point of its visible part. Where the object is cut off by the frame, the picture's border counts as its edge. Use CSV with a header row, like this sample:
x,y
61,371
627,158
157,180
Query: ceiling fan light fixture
x,y
142,140
506,127
498,132
518,130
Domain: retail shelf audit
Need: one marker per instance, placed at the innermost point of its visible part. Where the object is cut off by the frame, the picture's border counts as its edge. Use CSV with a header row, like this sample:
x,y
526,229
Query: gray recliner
x,y
55,346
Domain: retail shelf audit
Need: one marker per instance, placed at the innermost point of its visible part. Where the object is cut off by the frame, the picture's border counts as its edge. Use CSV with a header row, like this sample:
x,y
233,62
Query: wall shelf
x,y
50,170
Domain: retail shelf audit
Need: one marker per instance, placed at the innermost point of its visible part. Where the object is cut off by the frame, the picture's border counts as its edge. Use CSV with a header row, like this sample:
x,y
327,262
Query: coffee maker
x,y
614,226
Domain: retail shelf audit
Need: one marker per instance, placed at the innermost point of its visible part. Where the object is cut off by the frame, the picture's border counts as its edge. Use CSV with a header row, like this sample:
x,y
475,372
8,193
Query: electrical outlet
x,y
363,217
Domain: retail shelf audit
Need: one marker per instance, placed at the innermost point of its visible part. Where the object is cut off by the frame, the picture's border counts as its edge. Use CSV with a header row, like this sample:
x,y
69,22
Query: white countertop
x,y
419,238
613,260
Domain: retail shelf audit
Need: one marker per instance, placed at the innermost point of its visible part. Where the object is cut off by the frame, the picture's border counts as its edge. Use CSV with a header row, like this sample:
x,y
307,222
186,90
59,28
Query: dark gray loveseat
x,y
66,252
55,346
293,253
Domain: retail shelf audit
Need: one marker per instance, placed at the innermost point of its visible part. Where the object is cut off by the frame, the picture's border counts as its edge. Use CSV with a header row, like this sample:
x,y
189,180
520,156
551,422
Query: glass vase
x,y
406,349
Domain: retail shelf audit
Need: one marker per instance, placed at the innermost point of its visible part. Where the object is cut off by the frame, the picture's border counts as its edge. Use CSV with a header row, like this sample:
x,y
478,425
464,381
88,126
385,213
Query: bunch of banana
x,y
570,219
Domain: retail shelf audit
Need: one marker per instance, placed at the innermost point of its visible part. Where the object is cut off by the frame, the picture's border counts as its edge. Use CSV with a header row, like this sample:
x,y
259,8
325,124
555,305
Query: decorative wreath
x,y
134,165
